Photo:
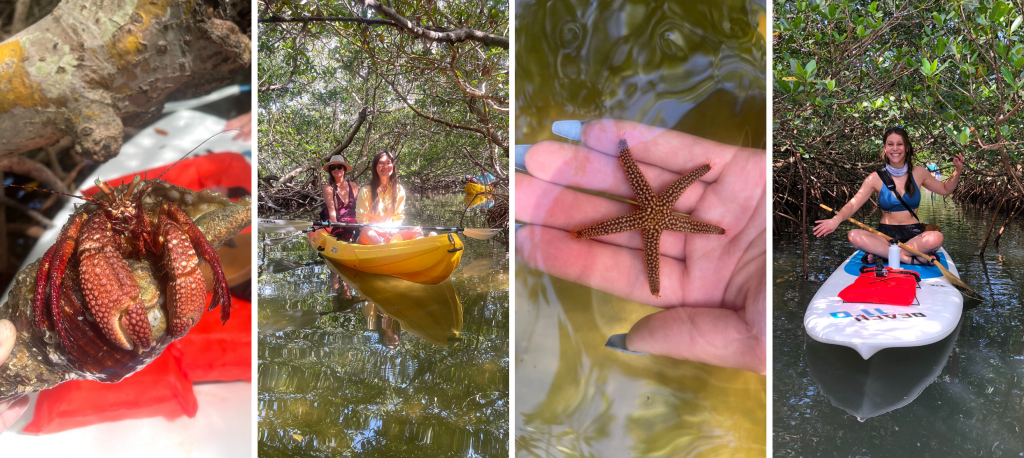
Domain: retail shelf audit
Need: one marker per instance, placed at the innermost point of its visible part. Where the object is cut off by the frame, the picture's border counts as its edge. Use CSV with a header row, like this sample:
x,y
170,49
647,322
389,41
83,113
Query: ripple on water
x,y
973,404
329,385
694,66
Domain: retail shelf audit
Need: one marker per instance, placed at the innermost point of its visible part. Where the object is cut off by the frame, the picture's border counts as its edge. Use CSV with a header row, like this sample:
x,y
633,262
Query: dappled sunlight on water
x,y
692,66
368,365
574,396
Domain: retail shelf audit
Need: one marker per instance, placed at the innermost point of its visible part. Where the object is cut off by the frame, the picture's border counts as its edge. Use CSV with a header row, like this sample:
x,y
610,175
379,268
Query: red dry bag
x,y
894,287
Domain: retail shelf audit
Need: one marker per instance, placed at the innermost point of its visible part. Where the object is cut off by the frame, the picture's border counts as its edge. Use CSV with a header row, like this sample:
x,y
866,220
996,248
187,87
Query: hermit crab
x,y
121,283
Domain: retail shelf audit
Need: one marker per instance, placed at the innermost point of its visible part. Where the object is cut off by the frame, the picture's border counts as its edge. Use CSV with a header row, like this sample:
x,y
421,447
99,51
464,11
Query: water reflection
x,y
973,406
693,66
430,312
574,397
890,379
369,365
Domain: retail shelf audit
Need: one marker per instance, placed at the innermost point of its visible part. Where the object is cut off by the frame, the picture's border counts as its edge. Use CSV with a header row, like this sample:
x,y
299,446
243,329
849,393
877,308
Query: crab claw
x,y
186,288
201,247
110,291
134,323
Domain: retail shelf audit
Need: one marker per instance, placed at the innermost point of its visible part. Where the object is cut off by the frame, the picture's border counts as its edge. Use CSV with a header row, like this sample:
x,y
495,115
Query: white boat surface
x,y
869,328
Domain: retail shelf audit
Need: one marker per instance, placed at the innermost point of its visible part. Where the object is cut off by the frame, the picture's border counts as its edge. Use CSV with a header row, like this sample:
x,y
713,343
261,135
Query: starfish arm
x,y
644,194
615,225
652,242
671,194
681,223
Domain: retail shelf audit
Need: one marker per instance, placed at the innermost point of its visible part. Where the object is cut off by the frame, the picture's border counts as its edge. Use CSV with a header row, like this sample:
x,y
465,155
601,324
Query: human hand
x,y
825,227
958,163
242,123
713,286
10,409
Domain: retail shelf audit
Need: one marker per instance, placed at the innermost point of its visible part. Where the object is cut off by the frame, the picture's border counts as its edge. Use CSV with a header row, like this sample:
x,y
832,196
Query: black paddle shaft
x,y
443,229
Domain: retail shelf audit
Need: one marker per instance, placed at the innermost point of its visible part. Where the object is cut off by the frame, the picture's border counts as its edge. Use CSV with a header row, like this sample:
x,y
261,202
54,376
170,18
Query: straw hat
x,y
336,159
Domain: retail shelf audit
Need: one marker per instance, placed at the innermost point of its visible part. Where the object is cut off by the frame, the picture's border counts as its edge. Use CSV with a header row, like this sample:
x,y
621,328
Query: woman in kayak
x,y
897,221
382,203
340,199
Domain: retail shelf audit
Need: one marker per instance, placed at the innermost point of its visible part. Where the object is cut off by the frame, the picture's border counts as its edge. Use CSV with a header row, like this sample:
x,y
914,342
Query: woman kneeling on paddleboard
x,y
898,221
382,203
340,199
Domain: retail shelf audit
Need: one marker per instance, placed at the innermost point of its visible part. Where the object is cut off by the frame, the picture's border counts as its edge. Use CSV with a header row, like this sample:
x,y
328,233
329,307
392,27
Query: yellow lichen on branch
x,y
16,84
126,47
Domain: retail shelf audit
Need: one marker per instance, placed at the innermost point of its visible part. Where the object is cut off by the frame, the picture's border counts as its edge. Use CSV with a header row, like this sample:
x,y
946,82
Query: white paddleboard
x,y
869,328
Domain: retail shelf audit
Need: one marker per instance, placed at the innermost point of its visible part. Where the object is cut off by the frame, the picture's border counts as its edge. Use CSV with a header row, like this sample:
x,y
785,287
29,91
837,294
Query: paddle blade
x,y
958,284
480,234
279,226
280,240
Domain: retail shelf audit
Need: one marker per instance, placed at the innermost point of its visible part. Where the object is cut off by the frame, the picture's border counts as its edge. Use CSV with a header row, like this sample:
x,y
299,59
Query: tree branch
x,y
307,19
447,36
436,34
490,134
351,133
32,169
295,67
337,150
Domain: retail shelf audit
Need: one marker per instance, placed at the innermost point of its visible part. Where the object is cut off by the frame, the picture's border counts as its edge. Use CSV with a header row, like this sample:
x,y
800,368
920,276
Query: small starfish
x,y
653,216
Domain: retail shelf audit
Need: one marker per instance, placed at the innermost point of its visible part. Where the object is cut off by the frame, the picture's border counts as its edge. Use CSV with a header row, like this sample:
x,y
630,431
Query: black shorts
x,y
901,232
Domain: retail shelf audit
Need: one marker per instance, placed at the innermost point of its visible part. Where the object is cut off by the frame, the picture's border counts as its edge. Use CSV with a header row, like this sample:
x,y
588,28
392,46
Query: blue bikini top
x,y
889,203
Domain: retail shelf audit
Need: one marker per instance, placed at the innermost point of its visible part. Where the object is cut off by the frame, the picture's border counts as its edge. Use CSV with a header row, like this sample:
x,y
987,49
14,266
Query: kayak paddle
x,y
280,240
952,279
272,225
282,226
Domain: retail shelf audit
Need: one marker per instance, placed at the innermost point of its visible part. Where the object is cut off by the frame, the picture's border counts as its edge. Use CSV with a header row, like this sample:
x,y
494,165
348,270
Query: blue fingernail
x,y
519,226
568,129
521,156
618,342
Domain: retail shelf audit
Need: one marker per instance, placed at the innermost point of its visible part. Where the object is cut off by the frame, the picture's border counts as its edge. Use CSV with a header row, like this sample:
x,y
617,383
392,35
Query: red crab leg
x,y
221,295
110,290
39,298
186,288
63,249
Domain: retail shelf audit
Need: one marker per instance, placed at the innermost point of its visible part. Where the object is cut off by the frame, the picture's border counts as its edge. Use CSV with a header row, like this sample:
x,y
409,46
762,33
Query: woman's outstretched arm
x,y
827,226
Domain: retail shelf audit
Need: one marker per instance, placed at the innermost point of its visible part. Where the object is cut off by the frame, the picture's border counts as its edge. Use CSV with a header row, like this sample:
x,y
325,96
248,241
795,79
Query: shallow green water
x,y
692,66
422,373
574,397
971,386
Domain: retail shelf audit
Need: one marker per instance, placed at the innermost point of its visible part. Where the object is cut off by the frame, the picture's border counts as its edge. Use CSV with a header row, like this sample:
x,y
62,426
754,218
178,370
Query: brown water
x,y
698,67
693,66
574,397
368,365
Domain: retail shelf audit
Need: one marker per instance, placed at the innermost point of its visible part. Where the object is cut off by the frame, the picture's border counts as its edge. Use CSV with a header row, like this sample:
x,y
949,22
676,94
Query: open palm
x,y
712,286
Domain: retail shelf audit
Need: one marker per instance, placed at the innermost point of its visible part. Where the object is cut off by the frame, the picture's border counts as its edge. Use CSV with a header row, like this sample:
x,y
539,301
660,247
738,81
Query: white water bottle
x,y
894,255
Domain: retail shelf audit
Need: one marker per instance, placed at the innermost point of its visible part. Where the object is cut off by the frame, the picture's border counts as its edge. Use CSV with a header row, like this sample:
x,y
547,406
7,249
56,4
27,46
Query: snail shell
x,y
39,360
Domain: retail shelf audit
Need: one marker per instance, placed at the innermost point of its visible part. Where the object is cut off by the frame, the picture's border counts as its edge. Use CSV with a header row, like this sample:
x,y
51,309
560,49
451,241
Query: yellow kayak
x,y
472,189
428,260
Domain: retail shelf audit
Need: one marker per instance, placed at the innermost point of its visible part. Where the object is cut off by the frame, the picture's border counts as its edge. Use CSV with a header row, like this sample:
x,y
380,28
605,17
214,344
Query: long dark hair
x,y
337,186
908,187
375,181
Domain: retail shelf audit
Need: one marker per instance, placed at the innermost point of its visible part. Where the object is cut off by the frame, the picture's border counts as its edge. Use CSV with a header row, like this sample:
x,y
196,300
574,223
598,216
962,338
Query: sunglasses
x,y
894,128
335,167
